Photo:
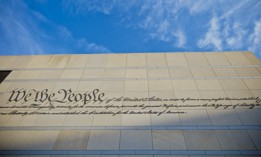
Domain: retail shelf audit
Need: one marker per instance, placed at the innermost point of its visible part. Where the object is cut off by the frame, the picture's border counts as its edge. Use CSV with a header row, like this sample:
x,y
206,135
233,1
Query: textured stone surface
x,y
180,82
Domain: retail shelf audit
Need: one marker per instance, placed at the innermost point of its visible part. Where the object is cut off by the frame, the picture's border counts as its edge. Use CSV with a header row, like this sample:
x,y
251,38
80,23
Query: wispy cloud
x,y
157,18
255,38
85,45
162,20
185,25
212,37
234,35
162,31
181,38
18,33
22,32
231,29
83,6
198,6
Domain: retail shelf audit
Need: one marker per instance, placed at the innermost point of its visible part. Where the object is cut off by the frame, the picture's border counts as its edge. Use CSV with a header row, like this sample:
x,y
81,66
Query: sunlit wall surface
x,y
131,104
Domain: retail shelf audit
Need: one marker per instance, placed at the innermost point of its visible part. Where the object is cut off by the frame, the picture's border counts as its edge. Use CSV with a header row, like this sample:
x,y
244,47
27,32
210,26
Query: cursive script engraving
x,y
65,101
61,96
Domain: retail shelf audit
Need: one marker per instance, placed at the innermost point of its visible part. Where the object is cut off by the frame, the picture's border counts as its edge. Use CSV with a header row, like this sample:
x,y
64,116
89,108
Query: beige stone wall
x,y
228,82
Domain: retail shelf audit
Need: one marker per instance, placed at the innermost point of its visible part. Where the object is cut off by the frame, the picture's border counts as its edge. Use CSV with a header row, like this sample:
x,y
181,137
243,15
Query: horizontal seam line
x,y
135,152
121,79
169,127
141,67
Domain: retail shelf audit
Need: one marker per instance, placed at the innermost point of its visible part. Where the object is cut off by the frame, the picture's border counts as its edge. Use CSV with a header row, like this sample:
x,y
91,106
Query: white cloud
x,y
163,27
212,37
181,38
231,28
168,21
85,45
198,6
255,38
18,33
83,6
81,43
234,36
159,19
155,17
227,30
162,31
21,32
233,10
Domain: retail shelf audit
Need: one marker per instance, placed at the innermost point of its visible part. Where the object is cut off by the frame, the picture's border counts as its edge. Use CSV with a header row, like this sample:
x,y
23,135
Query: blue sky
x,y
115,26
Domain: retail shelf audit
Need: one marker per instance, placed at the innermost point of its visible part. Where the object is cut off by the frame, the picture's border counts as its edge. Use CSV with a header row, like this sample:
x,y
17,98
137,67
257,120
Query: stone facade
x,y
149,104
